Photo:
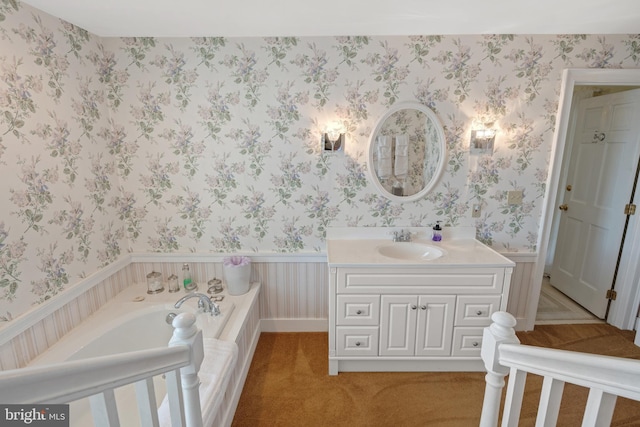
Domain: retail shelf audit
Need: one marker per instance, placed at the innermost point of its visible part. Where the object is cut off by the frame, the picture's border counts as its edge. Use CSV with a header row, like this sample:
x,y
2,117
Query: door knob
x,y
598,137
563,207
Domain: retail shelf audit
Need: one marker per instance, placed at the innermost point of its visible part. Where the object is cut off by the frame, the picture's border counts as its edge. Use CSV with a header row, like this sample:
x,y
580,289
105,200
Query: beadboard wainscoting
x,y
294,290
523,288
293,296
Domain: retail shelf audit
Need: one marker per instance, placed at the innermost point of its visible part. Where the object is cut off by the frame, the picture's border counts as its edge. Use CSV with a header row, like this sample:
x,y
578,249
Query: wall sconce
x,y
482,141
333,138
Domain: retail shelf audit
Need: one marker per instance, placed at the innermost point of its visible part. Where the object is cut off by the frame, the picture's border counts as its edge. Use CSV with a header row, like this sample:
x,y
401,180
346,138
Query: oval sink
x,y
410,251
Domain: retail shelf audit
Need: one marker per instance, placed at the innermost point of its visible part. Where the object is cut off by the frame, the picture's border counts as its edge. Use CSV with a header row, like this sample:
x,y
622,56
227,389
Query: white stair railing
x,y
606,378
97,378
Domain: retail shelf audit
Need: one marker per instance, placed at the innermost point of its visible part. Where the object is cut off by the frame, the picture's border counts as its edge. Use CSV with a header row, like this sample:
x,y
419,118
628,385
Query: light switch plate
x,y
514,197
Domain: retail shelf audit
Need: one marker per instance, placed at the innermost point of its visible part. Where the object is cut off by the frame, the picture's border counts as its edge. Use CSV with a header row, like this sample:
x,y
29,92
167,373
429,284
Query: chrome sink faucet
x,y
204,302
402,236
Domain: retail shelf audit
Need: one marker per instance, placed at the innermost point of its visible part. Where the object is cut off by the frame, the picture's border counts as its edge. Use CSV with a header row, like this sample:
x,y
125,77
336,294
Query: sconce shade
x,y
482,141
332,141
485,134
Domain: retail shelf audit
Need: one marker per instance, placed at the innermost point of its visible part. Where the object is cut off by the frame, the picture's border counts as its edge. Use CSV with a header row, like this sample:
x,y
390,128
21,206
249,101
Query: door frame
x,y
623,310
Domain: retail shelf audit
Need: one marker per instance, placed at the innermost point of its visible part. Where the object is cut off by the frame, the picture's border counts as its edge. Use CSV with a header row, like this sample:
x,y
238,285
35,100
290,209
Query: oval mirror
x,y
407,152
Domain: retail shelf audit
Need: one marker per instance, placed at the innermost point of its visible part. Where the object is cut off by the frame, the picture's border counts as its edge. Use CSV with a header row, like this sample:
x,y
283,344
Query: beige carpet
x,y
288,385
556,308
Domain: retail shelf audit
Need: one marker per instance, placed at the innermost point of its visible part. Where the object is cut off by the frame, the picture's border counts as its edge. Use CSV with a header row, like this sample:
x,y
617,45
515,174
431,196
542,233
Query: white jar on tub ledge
x,y
237,274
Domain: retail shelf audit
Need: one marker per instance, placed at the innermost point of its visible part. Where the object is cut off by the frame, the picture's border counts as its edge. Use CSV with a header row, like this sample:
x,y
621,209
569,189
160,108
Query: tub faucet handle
x,y
204,302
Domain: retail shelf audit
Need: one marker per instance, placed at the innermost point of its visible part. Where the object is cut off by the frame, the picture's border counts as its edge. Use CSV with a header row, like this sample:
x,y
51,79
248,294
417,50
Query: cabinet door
x,y
435,325
398,325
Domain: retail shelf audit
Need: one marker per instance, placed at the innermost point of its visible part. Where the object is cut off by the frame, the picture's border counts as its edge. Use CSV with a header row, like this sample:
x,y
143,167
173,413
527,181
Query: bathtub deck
x,y
242,326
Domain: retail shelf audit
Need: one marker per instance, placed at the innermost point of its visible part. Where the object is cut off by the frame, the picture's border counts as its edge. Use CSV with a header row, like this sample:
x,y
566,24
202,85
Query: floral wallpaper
x,y
213,144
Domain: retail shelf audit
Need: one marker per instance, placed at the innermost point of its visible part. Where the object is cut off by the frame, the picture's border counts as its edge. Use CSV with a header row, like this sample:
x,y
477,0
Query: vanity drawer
x,y
474,281
356,341
476,310
358,310
467,342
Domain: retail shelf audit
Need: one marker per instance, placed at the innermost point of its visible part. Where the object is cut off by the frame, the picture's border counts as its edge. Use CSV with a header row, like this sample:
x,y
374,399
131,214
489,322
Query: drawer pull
x,y
478,312
358,344
423,307
359,312
413,306
475,344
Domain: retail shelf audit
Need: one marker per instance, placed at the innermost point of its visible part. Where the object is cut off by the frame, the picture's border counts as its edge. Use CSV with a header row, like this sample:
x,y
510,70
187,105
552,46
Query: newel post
x,y
500,332
186,333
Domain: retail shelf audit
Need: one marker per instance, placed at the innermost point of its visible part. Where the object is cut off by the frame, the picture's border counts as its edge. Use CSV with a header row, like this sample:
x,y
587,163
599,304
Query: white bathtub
x,y
132,321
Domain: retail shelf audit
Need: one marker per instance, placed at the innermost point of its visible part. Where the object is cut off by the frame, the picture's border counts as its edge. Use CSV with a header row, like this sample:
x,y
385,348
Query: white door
x,y
604,159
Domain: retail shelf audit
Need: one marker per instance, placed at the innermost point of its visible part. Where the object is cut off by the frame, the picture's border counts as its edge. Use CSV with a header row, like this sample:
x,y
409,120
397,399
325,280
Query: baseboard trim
x,y
294,325
521,324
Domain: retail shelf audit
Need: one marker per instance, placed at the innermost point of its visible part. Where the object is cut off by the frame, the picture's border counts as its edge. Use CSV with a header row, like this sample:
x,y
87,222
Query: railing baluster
x,y
176,400
146,396
513,400
599,409
549,406
104,409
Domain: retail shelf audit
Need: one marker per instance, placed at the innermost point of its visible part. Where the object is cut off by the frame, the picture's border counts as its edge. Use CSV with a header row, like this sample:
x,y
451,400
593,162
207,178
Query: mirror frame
x,y
442,145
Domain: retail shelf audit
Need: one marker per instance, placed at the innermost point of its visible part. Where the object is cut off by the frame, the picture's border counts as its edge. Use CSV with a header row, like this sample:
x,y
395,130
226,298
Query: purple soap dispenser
x,y
437,232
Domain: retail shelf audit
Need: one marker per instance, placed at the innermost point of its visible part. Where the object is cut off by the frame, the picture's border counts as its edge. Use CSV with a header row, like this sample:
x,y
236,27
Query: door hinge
x,y
630,209
612,295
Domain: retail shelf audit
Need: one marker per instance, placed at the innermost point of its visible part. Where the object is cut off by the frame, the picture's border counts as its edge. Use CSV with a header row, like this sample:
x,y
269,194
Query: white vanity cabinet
x,y
411,306
412,318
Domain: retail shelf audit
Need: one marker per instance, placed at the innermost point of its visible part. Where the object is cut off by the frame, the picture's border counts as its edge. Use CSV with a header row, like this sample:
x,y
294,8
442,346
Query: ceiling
x,y
263,18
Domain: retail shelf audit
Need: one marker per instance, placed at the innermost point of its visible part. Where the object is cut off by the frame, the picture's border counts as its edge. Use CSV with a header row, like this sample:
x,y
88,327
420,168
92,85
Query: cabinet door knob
x,y
413,306
423,307
475,344
358,344
359,312
478,312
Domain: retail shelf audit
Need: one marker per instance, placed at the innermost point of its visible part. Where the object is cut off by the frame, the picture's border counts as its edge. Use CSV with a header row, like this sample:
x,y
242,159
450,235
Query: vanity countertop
x,y
347,247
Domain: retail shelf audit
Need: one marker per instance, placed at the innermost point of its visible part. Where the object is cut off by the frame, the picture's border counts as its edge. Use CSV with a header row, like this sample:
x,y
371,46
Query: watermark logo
x,y
34,415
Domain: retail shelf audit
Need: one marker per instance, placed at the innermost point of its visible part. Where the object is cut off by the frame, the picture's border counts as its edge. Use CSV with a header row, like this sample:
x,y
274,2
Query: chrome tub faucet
x,y
204,302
